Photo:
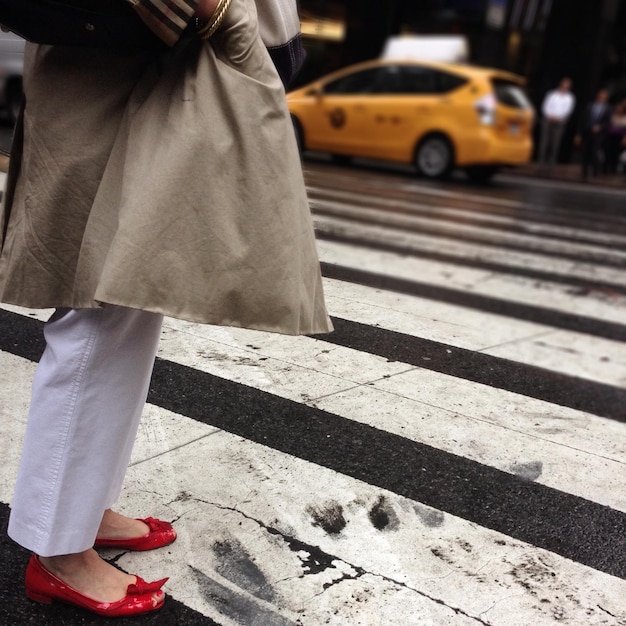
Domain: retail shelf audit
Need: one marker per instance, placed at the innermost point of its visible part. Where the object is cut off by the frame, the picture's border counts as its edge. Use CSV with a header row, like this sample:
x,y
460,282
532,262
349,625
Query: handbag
x,y
88,23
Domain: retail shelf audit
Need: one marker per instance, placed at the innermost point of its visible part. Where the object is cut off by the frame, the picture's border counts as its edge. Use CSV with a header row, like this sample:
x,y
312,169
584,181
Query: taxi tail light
x,y
486,110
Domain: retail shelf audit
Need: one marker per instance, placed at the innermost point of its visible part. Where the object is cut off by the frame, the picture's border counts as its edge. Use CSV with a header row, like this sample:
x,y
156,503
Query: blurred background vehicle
x,y
11,69
436,116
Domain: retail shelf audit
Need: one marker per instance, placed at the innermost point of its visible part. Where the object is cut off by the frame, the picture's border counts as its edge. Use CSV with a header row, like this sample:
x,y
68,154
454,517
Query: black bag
x,y
88,23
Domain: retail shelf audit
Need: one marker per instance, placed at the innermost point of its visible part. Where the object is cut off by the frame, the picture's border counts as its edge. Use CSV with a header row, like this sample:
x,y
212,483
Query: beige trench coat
x,y
170,184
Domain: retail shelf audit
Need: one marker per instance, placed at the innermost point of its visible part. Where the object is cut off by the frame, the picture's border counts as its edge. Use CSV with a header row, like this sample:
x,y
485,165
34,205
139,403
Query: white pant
x,y
89,391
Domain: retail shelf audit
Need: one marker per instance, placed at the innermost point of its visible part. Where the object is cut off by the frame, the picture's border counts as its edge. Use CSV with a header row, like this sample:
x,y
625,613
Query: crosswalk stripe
x,y
542,227
587,252
591,396
518,310
486,424
520,290
579,274
594,210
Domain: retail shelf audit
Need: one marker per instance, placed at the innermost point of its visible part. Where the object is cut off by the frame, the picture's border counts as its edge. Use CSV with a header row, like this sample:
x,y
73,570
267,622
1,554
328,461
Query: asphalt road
x,y
454,453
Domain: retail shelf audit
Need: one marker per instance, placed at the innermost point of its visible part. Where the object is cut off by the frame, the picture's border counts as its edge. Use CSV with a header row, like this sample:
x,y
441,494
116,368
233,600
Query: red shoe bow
x,y
141,586
160,534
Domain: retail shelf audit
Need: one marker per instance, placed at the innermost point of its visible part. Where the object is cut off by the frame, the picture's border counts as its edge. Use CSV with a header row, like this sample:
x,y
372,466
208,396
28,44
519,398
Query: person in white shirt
x,y
557,107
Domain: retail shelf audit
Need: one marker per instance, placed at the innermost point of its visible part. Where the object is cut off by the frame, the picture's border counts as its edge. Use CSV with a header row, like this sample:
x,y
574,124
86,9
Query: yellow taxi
x,y
437,116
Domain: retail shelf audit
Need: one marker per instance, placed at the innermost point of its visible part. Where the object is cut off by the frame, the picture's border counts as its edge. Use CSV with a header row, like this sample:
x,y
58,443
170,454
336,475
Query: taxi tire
x,y
434,156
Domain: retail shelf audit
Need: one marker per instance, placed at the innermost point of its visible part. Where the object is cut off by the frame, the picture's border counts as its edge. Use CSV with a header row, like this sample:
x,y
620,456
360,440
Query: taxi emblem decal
x,y
337,118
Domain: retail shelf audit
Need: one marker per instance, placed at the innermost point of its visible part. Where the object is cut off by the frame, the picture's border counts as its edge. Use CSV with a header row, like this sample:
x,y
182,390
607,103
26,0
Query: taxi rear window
x,y
510,94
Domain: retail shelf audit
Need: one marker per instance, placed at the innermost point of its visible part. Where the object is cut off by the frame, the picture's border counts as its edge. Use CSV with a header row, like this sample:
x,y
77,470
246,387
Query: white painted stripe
x,y
570,353
454,231
404,183
395,235
398,184
438,321
568,186
38,314
567,352
594,359
518,220
555,296
573,354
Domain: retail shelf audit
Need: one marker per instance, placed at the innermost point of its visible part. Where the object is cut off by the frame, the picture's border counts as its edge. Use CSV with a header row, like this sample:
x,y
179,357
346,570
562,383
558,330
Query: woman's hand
x,y
205,9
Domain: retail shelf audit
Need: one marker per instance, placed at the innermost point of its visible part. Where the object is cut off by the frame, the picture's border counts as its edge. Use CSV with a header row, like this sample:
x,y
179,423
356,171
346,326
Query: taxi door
x,y
413,101
339,119
403,103
397,114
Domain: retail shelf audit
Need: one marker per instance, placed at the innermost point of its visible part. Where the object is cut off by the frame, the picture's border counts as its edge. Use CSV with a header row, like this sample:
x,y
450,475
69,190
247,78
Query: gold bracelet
x,y
216,20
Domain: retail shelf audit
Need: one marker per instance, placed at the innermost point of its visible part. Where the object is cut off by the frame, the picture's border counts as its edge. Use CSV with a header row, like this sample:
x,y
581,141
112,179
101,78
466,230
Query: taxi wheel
x,y
434,157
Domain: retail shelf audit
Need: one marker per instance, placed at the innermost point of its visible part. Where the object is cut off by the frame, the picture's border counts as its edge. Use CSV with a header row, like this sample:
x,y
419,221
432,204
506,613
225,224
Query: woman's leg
x,y
88,394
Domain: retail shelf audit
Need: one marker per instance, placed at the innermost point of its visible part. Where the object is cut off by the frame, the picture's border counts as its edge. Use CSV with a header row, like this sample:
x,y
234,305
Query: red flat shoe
x,y
43,586
160,534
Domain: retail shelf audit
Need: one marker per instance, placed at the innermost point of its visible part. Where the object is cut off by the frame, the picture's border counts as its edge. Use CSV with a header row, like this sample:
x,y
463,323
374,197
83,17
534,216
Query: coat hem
x,y
317,328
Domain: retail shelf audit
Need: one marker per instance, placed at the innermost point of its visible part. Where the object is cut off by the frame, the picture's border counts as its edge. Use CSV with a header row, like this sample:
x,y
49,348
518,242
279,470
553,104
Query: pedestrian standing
x,y
592,132
556,109
142,183
615,138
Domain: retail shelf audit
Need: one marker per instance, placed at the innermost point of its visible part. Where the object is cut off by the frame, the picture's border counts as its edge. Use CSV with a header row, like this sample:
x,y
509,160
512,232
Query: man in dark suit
x,y
592,132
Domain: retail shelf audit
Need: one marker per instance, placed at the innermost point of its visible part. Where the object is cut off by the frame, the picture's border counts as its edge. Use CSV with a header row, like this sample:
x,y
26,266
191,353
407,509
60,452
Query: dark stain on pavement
x,y
237,605
383,516
440,553
429,517
528,471
236,565
533,575
329,517
314,560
